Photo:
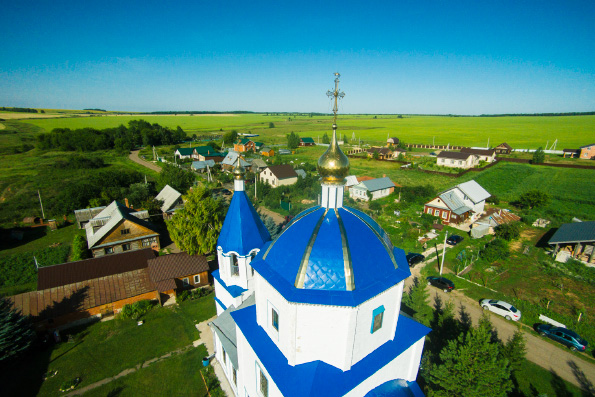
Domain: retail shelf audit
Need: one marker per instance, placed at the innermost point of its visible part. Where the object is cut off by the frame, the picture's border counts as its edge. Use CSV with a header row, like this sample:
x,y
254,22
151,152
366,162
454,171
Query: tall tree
x,y
514,350
195,228
326,139
533,198
16,332
293,140
538,156
176,177
416,300
472,365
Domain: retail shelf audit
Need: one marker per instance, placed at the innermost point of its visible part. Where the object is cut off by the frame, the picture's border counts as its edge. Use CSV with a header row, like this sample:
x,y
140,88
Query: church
x,y
315,312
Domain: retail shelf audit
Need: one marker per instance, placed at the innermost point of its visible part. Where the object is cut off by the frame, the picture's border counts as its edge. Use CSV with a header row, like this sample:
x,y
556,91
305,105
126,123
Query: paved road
x,y
134,157
539,350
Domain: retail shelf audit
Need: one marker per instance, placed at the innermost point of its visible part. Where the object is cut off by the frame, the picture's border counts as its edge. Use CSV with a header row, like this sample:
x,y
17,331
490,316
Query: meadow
x,y
527,132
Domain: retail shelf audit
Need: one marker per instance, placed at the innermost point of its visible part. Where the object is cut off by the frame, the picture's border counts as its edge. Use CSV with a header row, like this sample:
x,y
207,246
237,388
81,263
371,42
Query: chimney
x,y
126,202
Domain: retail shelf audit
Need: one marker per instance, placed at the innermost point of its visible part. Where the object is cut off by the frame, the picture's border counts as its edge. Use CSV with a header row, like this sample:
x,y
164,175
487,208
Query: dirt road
x,y
134,157
539,350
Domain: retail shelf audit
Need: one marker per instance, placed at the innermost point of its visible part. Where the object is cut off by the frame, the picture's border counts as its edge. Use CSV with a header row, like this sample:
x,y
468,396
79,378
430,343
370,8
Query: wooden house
x,y
244,145
391,142
458,204
172,201
383,153
267,151
307,142
85,215
176,272
119,229
503,148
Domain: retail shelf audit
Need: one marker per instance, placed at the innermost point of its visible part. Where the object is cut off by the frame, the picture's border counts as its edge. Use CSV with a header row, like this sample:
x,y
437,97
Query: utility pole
x,y
41,204
255,180
443,253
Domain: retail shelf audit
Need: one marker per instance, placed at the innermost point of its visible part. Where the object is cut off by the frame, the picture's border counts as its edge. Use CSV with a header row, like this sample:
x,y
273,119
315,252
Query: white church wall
x,y
366,341
248,377
405,366
225,297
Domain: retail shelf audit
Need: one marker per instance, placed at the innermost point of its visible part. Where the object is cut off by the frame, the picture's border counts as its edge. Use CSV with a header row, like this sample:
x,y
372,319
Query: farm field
x,y
520,132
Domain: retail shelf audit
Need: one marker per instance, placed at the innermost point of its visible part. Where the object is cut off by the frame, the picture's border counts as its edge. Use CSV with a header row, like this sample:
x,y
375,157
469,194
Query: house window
x,y
148,241
125,247
197,279
429,211
125,231
274,319
452,161
235,269
460,162
377,316
444,215
263,384
436,212
224,357
109,250
185,281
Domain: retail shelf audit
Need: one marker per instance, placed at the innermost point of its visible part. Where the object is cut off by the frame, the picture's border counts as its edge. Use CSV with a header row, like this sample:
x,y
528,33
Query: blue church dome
x,y
332,256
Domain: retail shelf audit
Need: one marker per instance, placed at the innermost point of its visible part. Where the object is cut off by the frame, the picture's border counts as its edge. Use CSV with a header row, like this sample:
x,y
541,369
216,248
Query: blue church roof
x,y
242,229
396,388
336,257
318,378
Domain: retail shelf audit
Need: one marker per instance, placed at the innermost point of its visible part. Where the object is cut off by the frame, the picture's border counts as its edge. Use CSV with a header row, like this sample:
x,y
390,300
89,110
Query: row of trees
x,y
138,132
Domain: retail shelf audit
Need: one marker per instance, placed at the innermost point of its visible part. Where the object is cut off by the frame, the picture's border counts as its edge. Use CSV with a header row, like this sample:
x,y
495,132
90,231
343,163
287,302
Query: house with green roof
x,y
306,142
244,145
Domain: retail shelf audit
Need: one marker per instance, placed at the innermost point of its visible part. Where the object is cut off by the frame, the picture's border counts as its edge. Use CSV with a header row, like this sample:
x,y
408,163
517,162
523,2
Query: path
x,y
206,338
134,157
539,349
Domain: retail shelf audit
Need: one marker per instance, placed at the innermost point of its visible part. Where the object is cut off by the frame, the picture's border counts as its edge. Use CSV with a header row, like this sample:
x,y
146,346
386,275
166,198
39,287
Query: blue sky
x,y
430,57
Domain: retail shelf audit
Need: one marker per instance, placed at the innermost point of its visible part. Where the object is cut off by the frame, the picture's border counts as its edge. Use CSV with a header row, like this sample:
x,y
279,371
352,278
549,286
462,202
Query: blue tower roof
x,y
337,257
242,229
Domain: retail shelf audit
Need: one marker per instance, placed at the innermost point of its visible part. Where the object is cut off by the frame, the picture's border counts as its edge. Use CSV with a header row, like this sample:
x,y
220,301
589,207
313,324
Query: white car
x,y
502,308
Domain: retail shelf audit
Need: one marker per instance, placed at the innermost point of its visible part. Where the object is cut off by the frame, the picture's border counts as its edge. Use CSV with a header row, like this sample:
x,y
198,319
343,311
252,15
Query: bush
x,y
533,199
192,294
493,200
137,309
79,248
496,249
508,231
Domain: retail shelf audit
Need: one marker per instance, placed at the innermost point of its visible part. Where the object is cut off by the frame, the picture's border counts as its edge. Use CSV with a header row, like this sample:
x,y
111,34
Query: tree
x,y
533,199
472,365
326,139
293,140
16,332
271,125
376,155
138,193
508,231
538,156
345,140
176,177
79,248
196,227
230,137
496,249
514,350
416,299
272,226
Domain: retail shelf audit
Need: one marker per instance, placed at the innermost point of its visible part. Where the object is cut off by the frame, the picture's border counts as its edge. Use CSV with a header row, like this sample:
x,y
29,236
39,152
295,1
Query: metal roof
x,y
200,165
351,180
232,158
378,184
87,213
185,151
574,233
474,191
307,140
454,155
283,171
454,202
301,173
170,196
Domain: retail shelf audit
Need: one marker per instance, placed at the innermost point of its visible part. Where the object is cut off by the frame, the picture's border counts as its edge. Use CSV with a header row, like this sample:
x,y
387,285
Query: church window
x,y
263,384
235,269
377,317
224,357
234,376
275,319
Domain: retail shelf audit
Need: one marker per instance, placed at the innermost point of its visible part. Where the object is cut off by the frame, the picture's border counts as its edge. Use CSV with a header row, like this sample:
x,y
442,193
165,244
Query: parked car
x,y
564,336
440,282
413,258
454,239
502,308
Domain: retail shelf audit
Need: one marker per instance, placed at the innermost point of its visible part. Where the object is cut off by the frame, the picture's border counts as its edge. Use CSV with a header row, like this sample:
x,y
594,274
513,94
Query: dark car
x,y
454,239
413,258
564,336
440,282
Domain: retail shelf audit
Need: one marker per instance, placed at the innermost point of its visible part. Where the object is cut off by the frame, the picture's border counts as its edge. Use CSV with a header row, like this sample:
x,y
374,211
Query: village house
x,y
87,289
391,142
306,142
279,175
231,159
172,201
574,240
119,229
488,155
350,181
503,148
258,146
83,216
205,153
458,204
397,152
267,151
244,145
201,166
174,273
184,153
258,165
379,187
457,160
588,152
383,153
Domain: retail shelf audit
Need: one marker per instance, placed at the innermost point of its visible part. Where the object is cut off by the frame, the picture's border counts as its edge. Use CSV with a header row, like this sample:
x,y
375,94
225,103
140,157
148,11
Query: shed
x,y
578,238
178,271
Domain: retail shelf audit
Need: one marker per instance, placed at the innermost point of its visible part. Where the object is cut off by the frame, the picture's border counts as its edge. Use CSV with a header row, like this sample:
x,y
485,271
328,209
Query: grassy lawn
x,y
175,376
105,349
533,380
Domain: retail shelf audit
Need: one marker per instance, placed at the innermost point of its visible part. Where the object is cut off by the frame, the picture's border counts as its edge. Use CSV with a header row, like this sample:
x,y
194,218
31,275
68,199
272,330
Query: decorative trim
x,y
348,265
294,220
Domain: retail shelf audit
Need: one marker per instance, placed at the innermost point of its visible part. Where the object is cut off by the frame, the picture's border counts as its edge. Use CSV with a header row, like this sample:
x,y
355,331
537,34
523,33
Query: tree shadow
x,y
587,387
543,241
115,392
464,318
17,236
559,385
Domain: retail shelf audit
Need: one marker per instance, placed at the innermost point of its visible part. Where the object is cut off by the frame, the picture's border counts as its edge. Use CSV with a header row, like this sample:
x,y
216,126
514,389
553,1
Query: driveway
x,y
539,350
134,157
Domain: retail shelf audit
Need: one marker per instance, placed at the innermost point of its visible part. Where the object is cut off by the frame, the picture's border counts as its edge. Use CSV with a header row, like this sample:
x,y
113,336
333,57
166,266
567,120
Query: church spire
x,y
238,175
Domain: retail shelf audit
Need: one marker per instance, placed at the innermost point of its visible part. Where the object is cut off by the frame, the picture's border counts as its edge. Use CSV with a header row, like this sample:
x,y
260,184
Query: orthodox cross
x,y
337,95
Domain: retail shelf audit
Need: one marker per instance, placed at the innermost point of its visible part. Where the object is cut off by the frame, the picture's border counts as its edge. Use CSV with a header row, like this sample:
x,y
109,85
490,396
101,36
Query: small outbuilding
x,y
577,239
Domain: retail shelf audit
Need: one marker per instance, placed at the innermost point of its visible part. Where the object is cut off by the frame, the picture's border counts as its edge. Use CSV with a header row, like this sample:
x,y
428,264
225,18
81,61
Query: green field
x,y
520,132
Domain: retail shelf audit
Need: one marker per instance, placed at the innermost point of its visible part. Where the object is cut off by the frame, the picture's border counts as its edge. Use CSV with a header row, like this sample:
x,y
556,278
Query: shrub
x,y
496,249
508,231
137,309
493,200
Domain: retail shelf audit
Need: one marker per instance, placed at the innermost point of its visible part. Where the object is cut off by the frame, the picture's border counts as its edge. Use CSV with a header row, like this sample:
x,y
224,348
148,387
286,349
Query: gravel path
x,y
134,157
554,358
